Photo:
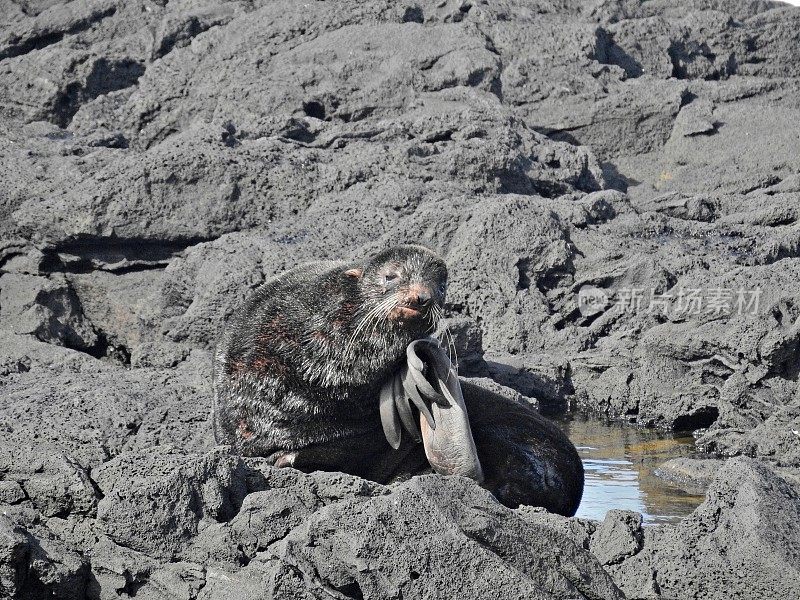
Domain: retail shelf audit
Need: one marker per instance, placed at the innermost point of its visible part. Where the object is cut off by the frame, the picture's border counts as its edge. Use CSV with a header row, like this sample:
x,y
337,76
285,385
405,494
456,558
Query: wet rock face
x,y
742,542
238,528
710,554
162,159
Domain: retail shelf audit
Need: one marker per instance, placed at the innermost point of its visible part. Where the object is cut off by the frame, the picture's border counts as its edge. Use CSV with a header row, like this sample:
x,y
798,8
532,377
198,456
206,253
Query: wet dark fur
x,y
288,382
287,378
526,459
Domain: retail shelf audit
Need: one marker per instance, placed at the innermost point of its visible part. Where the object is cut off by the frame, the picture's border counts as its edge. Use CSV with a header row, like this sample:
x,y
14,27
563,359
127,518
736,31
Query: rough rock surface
x,y
710,553
160,159
692,475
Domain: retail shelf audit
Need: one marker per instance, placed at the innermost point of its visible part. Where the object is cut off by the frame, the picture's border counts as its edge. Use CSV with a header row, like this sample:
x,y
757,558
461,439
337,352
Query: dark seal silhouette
x,y
316,368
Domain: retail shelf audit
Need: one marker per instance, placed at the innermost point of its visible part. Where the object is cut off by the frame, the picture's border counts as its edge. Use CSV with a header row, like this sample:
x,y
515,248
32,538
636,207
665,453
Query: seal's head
x,y
405,286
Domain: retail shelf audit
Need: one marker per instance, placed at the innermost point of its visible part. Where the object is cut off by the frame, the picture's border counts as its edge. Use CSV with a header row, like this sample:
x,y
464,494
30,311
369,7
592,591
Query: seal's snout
x,y
419,296
413,302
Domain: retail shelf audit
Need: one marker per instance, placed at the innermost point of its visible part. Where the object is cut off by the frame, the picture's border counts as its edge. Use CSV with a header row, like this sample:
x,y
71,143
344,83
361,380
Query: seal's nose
x,y
419,295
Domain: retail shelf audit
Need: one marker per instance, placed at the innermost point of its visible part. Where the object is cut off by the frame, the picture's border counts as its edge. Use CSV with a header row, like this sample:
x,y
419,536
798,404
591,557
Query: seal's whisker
x,y
438,313
451,348
359,327
389,304
447,338
375,310
434,314
370,316
377,315
380,314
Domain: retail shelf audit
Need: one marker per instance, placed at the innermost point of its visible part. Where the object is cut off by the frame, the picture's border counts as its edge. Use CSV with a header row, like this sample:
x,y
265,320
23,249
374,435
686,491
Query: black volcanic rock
x,y
742,542
161,159
236,522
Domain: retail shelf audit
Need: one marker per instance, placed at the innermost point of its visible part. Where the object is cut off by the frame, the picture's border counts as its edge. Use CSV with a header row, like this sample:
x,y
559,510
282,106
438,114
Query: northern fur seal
x,y
302,370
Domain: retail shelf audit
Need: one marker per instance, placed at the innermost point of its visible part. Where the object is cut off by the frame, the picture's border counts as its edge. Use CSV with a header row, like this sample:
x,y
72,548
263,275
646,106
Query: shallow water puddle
x,y
619,461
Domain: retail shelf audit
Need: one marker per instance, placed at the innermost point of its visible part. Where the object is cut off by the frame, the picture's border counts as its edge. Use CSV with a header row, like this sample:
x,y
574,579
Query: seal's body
x,y
299,370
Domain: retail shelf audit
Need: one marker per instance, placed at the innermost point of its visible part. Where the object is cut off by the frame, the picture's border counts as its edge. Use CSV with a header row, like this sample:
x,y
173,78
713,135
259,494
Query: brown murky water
x,y
619,461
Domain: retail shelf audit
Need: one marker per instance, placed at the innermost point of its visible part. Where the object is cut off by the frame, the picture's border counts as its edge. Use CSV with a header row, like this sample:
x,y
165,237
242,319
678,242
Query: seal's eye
x,y
391,280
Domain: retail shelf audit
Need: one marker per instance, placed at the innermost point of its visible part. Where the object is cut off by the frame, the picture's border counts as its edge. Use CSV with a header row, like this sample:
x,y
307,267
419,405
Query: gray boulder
x,y
742,542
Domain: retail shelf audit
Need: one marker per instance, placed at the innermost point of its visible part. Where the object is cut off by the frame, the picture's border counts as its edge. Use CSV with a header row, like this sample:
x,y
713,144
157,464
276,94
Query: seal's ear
x,y
355,273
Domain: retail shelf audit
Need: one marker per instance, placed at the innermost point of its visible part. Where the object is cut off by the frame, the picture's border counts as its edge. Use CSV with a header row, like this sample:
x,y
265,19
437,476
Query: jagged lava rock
x,y
161,159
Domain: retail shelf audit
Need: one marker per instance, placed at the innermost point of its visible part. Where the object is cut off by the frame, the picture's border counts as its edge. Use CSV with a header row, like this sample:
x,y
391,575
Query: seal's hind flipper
x,y
420,385
390,420
404,408
445,429
450,448
408,385
439,362
412,393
